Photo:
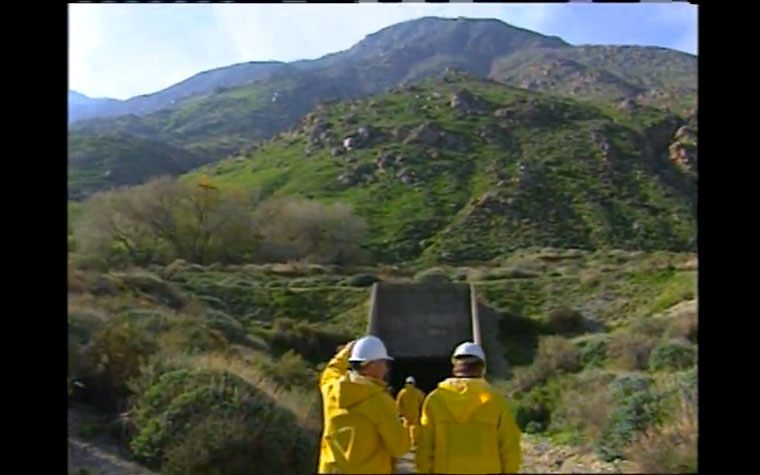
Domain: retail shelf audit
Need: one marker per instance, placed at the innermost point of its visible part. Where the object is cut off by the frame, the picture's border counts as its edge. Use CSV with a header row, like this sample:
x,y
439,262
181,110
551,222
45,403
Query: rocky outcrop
x,y
684,156
426,134
356,174
465,101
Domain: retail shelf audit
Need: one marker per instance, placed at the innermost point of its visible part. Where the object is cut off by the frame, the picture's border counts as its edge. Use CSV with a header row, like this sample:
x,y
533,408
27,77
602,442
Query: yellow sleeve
x,y
420,400
336,368
395,437
400,401
425,445
509,441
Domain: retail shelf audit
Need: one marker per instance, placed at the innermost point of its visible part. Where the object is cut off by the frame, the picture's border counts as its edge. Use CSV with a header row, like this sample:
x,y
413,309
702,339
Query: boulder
x,y
464,101
426,134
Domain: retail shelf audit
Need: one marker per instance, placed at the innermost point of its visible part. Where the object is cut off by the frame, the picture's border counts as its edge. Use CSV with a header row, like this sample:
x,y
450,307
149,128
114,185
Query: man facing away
x,y
362,432
466,427
409,402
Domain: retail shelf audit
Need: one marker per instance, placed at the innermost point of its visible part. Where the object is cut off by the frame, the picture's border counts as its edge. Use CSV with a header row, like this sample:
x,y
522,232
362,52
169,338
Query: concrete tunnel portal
x,y
421,324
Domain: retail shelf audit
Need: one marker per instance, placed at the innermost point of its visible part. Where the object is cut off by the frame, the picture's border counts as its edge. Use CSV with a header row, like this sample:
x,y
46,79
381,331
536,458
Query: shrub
x,y
156,287
635,414
305,338
672,356
295,229
555,354
233,444
534,427
232,329
565,320
174,268
632,350
515,272
432,275
361,280
593,352
290,371
670,447
525,379
536,407
684,325
651,327
117,350
209,421
625,385
191,335
584,408
589,278
558,354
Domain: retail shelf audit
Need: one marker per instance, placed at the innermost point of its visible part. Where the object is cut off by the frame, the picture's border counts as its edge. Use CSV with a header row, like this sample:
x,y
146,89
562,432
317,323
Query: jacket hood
x,y
354,388
464,396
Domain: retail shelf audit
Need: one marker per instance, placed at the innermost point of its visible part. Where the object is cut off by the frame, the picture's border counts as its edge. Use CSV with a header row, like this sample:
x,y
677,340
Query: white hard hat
x,y
369,348
469,348
410,379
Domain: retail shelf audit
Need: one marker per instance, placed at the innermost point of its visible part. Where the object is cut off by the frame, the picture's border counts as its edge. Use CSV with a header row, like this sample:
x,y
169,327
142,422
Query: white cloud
x,y
120,50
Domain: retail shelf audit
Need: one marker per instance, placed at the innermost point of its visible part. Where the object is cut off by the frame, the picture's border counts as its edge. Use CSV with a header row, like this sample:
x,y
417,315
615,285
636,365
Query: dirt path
x,y
541,456
97,455
86,458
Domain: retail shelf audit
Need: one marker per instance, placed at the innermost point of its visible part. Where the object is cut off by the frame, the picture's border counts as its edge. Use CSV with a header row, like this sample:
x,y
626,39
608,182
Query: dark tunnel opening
x,y
427,372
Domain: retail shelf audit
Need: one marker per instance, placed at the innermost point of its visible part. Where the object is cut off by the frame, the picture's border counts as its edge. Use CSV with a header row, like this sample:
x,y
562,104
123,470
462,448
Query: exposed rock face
x,y
356,174
684,156
465,101
627,104
427,134
502,113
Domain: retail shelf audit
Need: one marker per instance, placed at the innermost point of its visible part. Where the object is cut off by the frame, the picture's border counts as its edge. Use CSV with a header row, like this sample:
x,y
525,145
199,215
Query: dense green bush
x,y
558,354
632,350
208,421
232,329
313,343
627,384
565,320
361,280
672,356
593,352
630,418
536,406
555,355
290,371
153,285
116,353
432,275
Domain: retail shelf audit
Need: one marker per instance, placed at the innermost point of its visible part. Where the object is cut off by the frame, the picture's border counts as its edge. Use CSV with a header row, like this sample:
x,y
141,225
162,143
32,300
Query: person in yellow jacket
x,y
362,431
466,427
409,402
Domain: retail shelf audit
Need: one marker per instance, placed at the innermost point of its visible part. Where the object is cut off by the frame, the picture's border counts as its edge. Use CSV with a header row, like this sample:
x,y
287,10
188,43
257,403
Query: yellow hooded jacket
x,y
409,402
466,427
362,431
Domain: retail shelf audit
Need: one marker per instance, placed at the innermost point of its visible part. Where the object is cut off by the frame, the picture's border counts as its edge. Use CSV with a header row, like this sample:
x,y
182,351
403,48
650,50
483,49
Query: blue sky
x,y
123,50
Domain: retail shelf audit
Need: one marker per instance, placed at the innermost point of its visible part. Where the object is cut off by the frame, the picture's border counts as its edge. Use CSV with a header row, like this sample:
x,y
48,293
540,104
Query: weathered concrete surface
x,y
428,320
424,320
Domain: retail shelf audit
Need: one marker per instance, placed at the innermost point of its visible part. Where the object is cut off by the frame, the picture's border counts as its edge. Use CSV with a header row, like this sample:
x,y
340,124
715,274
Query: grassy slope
x,y
654,76
97,162
567,196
